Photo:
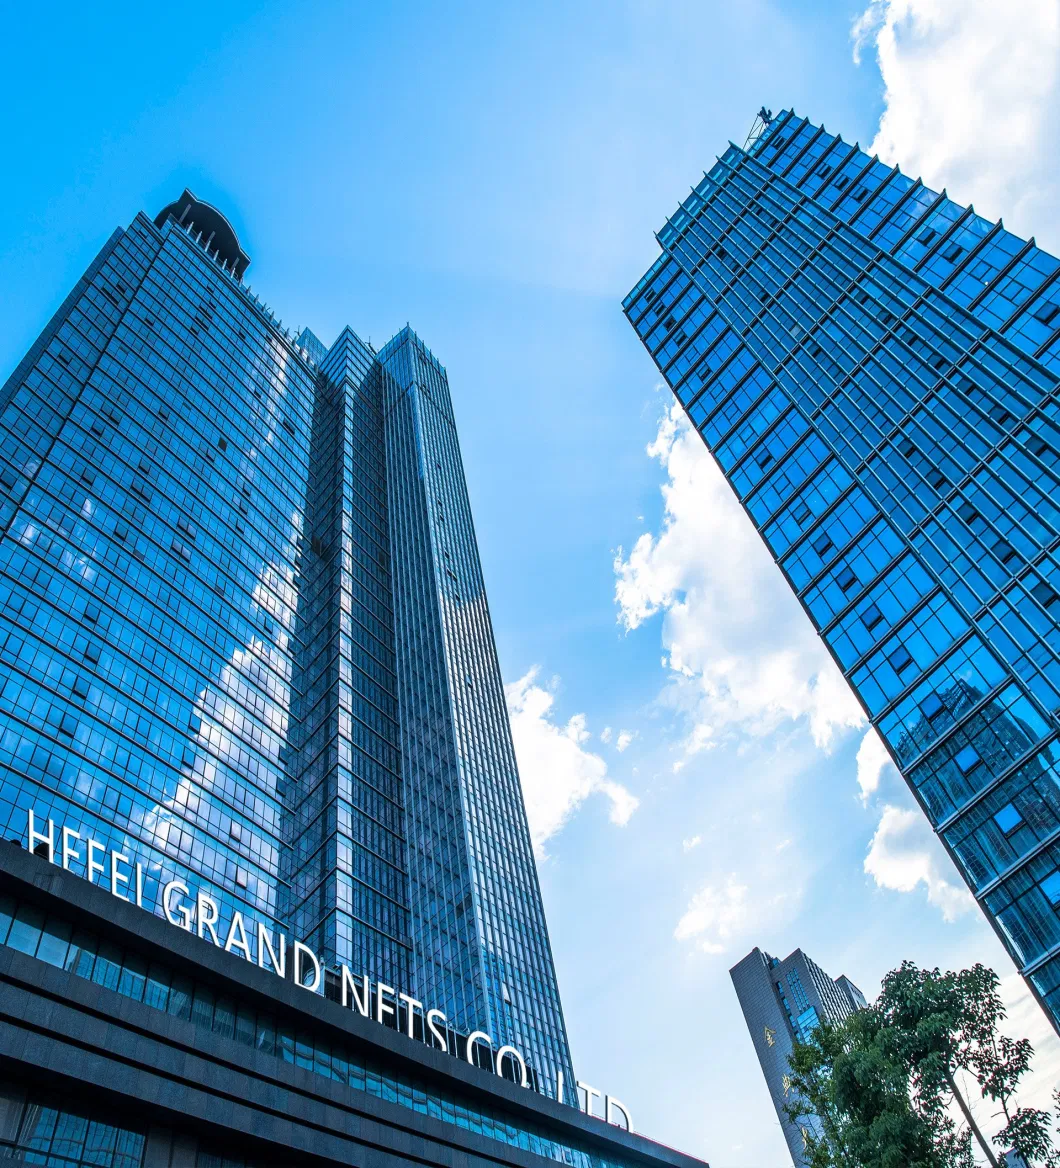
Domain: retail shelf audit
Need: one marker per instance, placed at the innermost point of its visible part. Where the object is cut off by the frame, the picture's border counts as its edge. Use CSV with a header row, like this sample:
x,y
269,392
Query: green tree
x,y
942,1023
851,1100
879,1090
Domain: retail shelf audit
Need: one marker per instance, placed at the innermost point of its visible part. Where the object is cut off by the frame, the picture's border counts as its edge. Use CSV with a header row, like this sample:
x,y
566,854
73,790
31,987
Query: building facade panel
x,y
872,365
125,1040
245,636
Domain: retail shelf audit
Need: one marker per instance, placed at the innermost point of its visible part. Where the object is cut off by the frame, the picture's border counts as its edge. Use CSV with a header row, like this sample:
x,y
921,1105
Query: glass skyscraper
x,y
875,369
244,632
783,1002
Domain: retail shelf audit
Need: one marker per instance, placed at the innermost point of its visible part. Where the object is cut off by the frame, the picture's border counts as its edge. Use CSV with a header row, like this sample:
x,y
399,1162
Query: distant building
x,y
783,1001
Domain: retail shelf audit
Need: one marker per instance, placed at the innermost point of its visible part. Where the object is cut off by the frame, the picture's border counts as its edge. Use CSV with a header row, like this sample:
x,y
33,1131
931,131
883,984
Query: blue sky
x,y
698,780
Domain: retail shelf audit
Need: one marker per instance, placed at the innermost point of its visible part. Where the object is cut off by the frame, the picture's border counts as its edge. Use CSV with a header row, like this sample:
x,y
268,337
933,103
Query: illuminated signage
x,y
199,914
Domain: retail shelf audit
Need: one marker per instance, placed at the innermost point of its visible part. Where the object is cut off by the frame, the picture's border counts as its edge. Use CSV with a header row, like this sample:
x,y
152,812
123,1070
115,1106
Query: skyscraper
x,y
874,368
244,632
782,1002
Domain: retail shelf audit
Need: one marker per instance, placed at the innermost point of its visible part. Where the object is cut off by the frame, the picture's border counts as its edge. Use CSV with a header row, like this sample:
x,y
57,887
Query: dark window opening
x,y
932,706
1044,594
967,759
1004,551
900,659
1008,819
871,617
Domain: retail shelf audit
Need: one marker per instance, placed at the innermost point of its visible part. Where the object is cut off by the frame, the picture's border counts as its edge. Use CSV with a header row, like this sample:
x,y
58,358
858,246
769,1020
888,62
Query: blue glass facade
x,y
244,634
875,369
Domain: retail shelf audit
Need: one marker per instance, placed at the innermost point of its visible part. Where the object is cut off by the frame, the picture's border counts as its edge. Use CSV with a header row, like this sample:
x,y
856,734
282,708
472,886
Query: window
x,y
953,254
937,479
822,544
1043,594
1045,312
967,759
1008,818
871,617
967,512
927,235
1037,446
932,706
907,448
1051,887
1004,551
900,659
801,512
1000,415
846,579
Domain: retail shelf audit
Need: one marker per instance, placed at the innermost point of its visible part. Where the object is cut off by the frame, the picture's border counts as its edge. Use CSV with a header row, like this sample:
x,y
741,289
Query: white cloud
x,y
558,773
740,650
1026,1019
605,734
971,95
694,842
872,759
625,737
904,854
713,915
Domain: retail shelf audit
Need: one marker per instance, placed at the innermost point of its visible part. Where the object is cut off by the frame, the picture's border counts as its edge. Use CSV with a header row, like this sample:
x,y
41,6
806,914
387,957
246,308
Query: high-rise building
x,y
783,1002
245,638
875,368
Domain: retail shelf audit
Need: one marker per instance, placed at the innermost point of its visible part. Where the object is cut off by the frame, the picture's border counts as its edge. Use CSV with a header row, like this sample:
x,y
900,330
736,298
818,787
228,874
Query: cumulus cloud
x,y
558,772
740,651
625,737
971,93
872,759
713,916
694,842
605,734
904,854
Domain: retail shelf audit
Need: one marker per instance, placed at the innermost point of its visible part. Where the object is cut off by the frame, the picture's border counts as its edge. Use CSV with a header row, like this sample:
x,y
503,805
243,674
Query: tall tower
x,y
782,1003
245,636
875,369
